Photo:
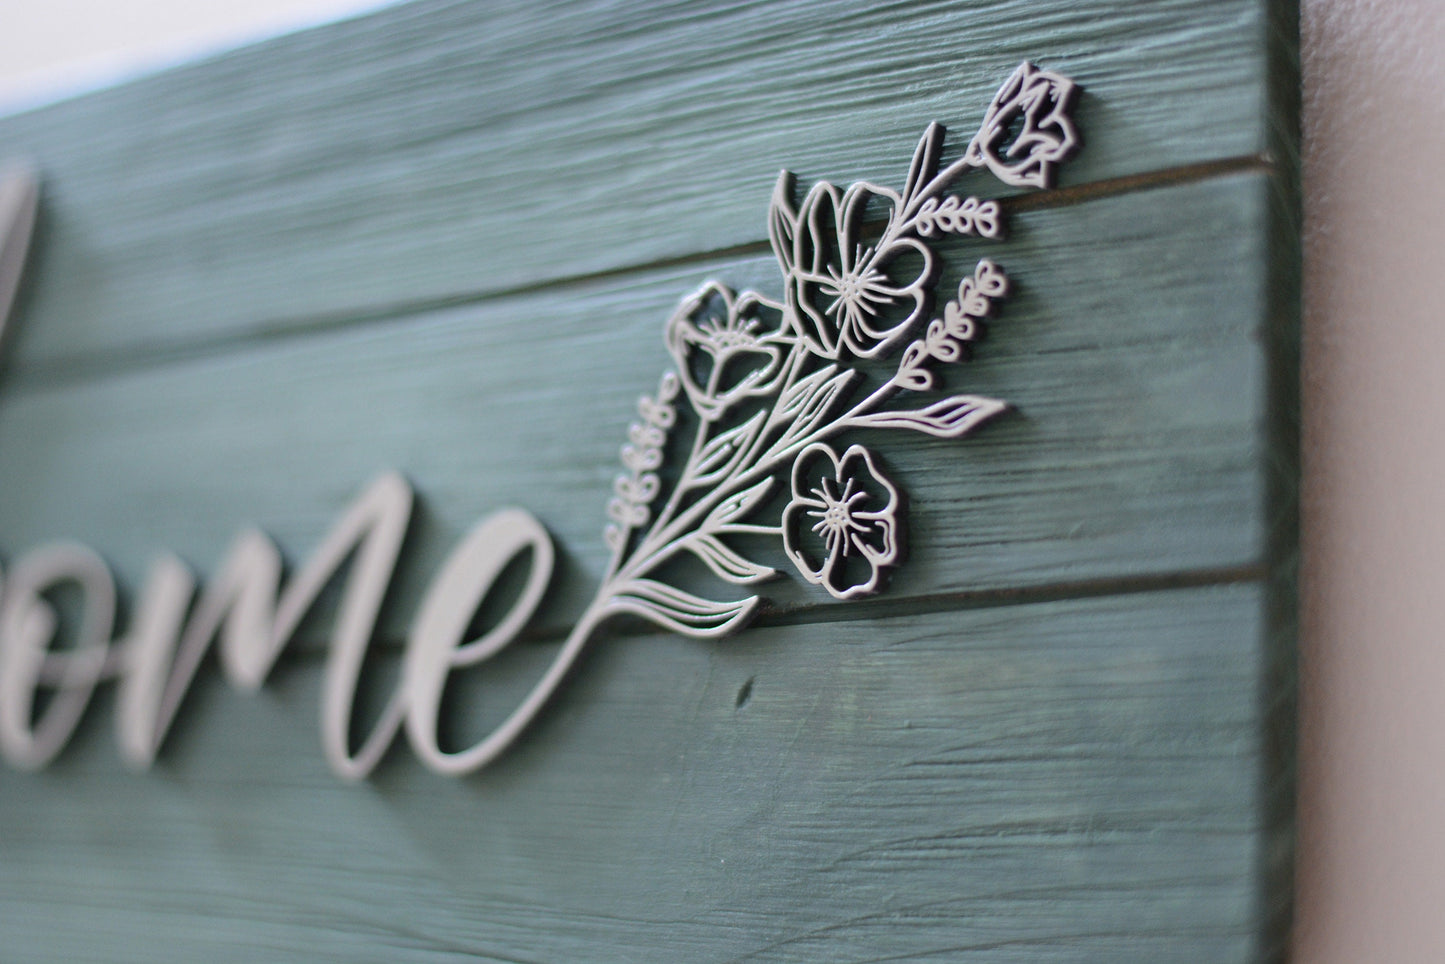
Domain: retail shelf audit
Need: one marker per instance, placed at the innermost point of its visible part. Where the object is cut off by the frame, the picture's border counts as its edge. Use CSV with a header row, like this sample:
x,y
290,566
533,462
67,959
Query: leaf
x,y
719,456
814,406
783,221
950,418
797,394
682,612
912,376
726,563
737,506
925,160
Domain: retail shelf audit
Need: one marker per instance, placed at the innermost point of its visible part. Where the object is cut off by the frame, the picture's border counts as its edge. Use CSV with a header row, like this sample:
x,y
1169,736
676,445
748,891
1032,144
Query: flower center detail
x,y
855,291
725,337
835,519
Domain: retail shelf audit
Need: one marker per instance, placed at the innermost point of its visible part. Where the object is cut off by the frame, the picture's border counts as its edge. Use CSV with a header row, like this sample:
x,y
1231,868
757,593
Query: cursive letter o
x,y
27,623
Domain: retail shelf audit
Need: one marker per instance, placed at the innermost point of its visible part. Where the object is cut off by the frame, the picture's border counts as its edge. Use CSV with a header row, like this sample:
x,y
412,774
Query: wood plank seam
x,y
823,612
90,366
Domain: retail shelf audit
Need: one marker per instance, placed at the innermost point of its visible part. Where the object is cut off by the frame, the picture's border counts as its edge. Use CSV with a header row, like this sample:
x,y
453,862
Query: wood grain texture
x,y
1068,781
1135,447
444,238
447,150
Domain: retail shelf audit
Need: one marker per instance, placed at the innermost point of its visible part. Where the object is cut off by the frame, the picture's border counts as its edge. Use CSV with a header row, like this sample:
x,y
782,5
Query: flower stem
x,y
935,185
661,544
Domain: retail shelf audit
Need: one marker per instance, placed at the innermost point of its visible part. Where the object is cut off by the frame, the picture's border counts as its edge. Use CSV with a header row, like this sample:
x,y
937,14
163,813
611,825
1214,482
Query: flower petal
x,y
818,331
847,507
815,245
783,221
1047,136
869,333
803,463
795,525
881,544
857,462
726,348
854,212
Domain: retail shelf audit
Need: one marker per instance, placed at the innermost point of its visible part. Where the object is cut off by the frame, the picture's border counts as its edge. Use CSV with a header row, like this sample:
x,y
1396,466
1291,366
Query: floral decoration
x,y
842,291
1038,103
849,512
771,381
726,348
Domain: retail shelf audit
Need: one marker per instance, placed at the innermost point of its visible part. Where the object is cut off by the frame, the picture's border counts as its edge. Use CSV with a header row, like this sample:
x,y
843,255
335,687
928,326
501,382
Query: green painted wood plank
x,y
1074,780
1130,351
448,150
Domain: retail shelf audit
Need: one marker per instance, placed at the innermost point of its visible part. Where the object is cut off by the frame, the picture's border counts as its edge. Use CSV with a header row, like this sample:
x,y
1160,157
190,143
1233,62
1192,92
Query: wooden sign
x,y
451,241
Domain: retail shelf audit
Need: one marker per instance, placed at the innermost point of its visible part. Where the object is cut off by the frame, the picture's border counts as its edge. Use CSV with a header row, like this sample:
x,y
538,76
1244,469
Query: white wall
x,y
52,48
1372,810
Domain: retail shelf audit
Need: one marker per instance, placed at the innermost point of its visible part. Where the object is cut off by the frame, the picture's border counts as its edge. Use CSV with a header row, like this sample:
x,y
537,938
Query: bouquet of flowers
x,y
773,382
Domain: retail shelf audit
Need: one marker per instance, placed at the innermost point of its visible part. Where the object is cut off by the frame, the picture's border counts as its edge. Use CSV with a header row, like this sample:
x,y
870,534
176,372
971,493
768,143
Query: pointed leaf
x,y
719,456
814,408
949,418
925,160
727,563
737,506
783,220
682,612
799,392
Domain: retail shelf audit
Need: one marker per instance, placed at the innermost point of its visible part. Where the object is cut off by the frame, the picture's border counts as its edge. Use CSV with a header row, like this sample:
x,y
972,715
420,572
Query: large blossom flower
x,y
1027,128
841,528
727,348
845,290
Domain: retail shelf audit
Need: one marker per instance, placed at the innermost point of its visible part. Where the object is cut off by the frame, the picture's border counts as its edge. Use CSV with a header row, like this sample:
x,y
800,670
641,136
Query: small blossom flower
x,y
727,348
841,527
842,290
1045,137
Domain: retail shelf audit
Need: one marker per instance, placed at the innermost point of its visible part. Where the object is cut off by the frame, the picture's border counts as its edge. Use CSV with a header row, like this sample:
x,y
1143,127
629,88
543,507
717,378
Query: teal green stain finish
x,y
449,150
260,279
1050,782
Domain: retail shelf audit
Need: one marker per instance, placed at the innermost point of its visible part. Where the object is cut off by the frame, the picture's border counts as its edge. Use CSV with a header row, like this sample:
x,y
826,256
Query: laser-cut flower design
x,y
841,528
1027,129
727,348
859,273
843,288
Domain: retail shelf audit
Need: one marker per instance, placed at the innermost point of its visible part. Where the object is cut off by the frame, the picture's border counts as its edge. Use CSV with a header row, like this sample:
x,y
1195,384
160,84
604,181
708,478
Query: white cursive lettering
x,y
245,609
